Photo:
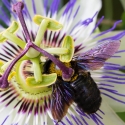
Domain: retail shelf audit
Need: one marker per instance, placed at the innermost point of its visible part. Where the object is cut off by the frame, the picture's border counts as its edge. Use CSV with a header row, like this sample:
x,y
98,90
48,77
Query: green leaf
x,y
123,70
123,20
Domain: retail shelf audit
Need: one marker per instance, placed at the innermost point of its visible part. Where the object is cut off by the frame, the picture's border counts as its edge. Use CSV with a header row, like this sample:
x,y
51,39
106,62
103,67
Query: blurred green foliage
x,y
123,20
112,10
121,115
6,10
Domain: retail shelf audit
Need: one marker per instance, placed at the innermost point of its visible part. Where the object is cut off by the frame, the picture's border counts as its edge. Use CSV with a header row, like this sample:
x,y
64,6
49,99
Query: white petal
x,y
120,88
87,10
120,61
117,99
116,105
123,4
38,6
106,116
110,117
122,46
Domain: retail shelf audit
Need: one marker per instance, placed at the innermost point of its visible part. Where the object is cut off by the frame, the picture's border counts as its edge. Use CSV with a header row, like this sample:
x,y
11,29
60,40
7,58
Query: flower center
x,y
33,52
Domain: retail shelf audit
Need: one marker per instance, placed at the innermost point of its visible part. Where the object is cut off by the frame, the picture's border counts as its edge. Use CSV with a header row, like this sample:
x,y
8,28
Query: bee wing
x,y
95,58
61,99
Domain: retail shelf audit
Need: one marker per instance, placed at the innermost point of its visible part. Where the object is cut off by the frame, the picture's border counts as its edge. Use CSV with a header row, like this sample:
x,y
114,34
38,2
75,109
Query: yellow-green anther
x,y
12,29
14,39
57,51
41,31
53,24
68,43
2,38
37,69
47,80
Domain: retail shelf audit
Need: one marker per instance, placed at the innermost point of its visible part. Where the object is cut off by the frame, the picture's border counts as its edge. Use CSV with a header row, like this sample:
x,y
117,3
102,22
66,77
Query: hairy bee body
x,y
81,89
86,93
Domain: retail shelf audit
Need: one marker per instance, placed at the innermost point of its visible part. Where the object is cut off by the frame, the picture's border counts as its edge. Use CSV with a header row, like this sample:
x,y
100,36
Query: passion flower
x,y
51,74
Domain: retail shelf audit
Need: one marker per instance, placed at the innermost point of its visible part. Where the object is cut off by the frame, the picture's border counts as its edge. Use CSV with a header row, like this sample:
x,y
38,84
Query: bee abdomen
x,y
86,93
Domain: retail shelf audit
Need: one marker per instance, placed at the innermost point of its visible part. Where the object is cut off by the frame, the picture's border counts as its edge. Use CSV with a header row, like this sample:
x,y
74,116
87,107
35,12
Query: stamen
x,y
68,43
37,69
14,39
66,72
18,9
45,23
57,51
41,31
46,80
12,29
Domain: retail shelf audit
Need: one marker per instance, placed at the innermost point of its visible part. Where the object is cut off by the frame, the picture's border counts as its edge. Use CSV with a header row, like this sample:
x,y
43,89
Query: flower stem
x,y
18,9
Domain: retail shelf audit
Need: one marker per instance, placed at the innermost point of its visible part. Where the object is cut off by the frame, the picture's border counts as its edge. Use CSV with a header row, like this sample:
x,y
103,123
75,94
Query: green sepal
x,y
68,43
47,80
12,29
52,25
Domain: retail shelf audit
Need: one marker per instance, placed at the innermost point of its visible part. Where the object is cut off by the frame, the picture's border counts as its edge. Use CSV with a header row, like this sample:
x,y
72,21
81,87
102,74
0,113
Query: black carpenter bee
x,y
86,93
82,89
